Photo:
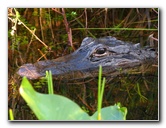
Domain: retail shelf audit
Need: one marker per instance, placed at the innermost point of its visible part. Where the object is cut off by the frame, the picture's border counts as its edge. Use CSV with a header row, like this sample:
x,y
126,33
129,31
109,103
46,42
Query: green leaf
x,y
50,106
56,107
115,112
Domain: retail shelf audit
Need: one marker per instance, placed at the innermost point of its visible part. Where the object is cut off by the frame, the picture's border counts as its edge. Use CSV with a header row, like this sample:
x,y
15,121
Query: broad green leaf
x,y
56,107
115,112
51,106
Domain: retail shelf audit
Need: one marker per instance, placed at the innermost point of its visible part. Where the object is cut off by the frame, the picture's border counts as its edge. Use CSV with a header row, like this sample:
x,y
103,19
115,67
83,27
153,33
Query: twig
x,y
43,55
105,20
54,9
29,44
86,19
154,10
41,26
33,34
50,25
68,29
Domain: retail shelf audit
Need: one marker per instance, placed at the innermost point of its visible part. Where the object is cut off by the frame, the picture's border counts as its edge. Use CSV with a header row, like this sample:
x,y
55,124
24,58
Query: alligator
x,y
115,56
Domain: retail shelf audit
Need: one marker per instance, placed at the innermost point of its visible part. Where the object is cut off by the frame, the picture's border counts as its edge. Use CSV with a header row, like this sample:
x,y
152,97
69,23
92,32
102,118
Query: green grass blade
x,y
50,83
99,94
102,91
11,114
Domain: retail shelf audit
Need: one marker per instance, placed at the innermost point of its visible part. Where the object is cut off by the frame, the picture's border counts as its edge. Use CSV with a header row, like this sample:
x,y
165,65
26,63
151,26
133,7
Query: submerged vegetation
x,y
47,33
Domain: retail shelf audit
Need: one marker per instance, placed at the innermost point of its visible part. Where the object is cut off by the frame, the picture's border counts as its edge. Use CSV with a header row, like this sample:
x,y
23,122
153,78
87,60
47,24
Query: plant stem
x,y
11,114
102,91
99,94
101,85
50,83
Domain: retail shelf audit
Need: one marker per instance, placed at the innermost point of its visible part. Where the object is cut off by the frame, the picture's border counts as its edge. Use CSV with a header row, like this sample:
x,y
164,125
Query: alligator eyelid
x,y
100,55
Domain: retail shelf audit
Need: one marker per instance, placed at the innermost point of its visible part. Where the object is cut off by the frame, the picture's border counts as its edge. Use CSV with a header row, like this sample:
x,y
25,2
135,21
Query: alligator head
x,y
113,55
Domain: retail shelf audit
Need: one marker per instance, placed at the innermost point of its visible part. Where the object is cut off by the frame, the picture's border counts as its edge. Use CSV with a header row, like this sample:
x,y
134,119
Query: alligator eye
x,y
100,52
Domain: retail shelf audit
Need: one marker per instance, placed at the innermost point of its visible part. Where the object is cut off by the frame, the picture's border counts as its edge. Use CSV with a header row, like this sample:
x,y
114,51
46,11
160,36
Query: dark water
x,y
139,93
